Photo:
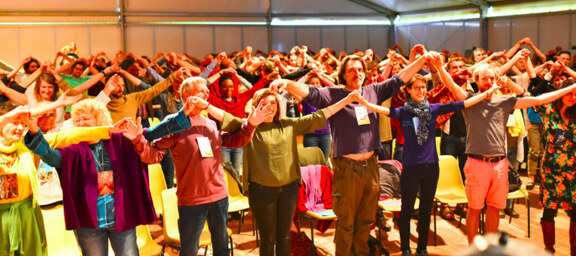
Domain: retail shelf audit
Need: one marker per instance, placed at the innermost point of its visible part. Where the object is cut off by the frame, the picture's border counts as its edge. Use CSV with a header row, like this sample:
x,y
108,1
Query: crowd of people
x,y
87,120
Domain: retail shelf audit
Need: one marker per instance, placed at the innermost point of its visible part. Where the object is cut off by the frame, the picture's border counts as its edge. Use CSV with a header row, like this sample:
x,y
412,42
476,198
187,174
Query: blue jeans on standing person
x,y
233,155
191,223
94,241
168,169
321,140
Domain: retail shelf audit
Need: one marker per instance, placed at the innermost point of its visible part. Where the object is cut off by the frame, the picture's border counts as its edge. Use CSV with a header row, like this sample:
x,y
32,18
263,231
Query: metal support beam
x,y
390,14
482,6
122,20
269,24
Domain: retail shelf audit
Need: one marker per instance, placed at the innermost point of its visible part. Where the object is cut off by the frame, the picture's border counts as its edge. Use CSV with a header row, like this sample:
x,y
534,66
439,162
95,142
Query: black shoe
x,y
511,212
421,253
446,213
502,214
460,211
407,253
530,185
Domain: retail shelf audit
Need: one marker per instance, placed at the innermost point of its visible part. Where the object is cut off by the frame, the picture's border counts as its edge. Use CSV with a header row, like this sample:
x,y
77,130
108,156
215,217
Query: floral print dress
x,y
558,189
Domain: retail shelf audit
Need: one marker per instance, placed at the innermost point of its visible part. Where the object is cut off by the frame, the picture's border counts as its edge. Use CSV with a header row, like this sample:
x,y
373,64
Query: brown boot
x,y
573,238
549,234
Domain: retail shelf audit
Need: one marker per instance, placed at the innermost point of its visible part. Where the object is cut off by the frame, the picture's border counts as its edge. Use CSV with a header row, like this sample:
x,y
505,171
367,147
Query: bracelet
x,y
103,73
207,106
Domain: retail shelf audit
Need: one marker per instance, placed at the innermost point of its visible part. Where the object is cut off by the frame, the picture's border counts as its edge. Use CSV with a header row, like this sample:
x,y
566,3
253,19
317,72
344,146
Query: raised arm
x,y
545,98
32,77
95,78
298,90
457,91
334,108
407,73
13,73
376,108
480,97
148,154
14,95
524,53
188,65
63,101
535,49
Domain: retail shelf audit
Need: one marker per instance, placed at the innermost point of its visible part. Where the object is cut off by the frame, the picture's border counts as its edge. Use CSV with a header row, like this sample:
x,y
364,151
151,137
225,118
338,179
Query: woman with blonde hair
x,y
104,182
20,216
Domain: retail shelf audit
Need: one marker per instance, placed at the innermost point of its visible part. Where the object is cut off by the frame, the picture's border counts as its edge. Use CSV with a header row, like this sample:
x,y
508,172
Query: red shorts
x,y
486,182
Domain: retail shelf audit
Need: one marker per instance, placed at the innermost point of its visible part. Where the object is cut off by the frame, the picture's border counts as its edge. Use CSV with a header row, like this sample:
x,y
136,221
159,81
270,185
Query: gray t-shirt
x,y
486,125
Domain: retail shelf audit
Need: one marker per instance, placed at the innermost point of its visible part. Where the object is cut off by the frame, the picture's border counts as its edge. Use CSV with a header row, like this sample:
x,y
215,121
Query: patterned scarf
x,y
422,111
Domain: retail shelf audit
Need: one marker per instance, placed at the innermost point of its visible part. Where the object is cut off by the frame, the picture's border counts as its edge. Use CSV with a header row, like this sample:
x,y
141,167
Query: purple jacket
x,y
79,180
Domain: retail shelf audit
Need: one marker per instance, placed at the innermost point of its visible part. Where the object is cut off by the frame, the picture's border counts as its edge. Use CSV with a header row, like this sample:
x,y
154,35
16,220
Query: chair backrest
x,y
438,140
170,215
450,178
157,185
60,241
232,185
146,245
311,156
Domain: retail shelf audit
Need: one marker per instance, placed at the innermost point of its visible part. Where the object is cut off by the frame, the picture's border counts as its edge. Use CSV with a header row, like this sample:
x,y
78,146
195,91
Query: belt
x,y
489,159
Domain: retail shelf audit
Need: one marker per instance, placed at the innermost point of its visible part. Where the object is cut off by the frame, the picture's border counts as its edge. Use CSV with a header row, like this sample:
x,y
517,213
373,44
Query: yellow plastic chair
x,y
438,139
393,205
237,202
60,241
170,224
450,188
521,194
157,185
153,121
146,244
170,219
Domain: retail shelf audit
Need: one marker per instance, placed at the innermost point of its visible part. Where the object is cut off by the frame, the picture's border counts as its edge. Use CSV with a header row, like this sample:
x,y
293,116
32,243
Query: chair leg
x,y
231,245
206,250
241,221
528,210
511,211
435,233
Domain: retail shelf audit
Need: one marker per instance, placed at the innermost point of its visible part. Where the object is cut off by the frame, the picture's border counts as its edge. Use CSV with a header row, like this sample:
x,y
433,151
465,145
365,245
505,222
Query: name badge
x,y
204,146
416,124
362,115
511,120
105,183
8,186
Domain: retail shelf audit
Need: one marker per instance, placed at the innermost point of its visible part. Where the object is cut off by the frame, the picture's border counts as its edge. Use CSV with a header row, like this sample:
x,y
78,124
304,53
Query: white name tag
x,y
204,146
362,115
416,123
511,120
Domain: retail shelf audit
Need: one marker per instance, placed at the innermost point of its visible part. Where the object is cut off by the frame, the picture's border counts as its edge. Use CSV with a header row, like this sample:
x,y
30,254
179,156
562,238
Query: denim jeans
x,y
94,241
273,209
321,140
191,223
168,169
233,155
